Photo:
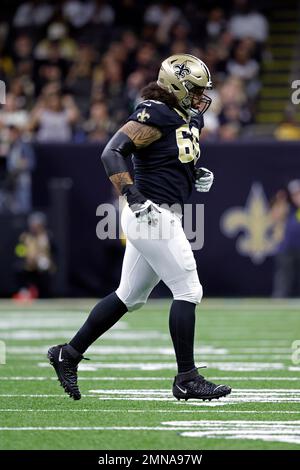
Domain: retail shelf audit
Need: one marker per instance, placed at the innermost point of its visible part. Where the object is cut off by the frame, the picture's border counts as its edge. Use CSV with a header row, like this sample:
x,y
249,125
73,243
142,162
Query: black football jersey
x,y
163,171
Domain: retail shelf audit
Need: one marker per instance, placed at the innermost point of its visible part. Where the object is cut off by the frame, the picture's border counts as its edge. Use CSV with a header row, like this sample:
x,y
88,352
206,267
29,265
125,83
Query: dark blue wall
x,y
263,166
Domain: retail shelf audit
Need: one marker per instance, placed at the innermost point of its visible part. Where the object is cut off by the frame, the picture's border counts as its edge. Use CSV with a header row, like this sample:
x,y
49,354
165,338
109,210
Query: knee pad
x,y
135,306
188,289
195,295
132,303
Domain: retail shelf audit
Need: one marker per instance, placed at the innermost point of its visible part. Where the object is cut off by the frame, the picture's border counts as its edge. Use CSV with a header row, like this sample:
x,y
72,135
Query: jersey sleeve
x,y
157,114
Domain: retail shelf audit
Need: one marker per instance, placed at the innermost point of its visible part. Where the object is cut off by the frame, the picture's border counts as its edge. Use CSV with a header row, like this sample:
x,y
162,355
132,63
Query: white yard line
x,y
164,395
128,350
114,333
155,366
88,428
40,395
216,427
239,391
148,379
100,410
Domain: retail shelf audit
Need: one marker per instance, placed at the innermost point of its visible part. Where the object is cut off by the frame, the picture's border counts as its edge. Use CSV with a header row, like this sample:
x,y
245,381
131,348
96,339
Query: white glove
x,y
203,179
146,212
144,209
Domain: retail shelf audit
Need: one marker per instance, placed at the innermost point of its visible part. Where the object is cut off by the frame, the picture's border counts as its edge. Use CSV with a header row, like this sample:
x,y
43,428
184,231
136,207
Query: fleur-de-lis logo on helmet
x,y
143,115
181,70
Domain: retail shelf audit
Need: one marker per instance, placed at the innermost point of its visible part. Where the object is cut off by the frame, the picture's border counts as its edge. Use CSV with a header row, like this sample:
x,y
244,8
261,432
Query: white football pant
x,y
154,253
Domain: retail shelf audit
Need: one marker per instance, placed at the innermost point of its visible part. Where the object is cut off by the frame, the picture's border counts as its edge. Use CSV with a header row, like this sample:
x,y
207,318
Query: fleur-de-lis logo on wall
x,y
143,116
258,235
181,70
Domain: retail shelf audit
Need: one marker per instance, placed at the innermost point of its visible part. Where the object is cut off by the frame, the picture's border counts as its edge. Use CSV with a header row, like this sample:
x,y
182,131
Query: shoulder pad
x,y
156,113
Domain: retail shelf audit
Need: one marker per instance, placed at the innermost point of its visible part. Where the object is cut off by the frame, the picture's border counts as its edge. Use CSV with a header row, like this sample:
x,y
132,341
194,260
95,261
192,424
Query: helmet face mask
x,y
199,101
186,77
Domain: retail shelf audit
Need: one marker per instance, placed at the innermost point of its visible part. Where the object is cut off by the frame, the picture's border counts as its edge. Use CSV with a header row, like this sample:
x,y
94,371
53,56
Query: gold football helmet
x,y
186,77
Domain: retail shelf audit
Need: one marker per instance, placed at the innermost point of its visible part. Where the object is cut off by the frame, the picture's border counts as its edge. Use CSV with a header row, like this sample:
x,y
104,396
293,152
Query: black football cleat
x,y
192,385
65,366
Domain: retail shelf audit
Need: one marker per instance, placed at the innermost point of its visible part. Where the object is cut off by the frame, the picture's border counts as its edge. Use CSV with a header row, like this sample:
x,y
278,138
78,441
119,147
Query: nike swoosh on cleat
x,y
181,389
218,387
60,359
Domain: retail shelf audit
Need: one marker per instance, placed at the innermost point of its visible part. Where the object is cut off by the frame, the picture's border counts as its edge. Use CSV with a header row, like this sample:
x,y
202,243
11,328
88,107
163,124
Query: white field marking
x,y
236,397
116,335
255,343
27,321
294,369
280,431
164,395
39,395
88,428
204,358
239,391
128,350
272,431
146,379
244,309
228,424
151,366
248,304
115,410
24,335
259,349
153,352
222,360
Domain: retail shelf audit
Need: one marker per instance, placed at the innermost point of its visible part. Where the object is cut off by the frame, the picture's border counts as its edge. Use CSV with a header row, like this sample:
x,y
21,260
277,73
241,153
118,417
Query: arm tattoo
x,y
119,180
140,134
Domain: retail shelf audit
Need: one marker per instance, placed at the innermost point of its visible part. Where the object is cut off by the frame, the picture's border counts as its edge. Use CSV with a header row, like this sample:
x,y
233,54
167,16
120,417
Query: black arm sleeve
x,y
117,149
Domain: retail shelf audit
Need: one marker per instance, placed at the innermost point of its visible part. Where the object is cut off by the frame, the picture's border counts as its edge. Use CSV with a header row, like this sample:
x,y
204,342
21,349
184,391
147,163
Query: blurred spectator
x,y
287,260
54,116
21,83
113,89
99,50
22,88
79,78
155,13
57,40
11,114
34,13
34,265
78,13
244,67
216,23
135,82
16,195
99,126
229,131
103,13
289,129
246,22
233,113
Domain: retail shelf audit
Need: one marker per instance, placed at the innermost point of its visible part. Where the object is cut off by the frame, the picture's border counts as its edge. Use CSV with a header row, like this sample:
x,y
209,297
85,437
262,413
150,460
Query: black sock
x,y
103,316
182,328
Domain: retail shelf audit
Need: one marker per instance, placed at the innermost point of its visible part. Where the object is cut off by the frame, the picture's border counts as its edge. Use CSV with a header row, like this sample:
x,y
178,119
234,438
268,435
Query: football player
x,y
163,136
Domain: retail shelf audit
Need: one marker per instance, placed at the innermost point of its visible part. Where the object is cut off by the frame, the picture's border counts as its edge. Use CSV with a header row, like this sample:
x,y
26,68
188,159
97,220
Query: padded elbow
x,y
115,152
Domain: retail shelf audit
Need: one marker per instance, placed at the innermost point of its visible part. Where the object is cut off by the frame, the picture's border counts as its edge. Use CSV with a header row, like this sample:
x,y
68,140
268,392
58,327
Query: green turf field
x,y
126,387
